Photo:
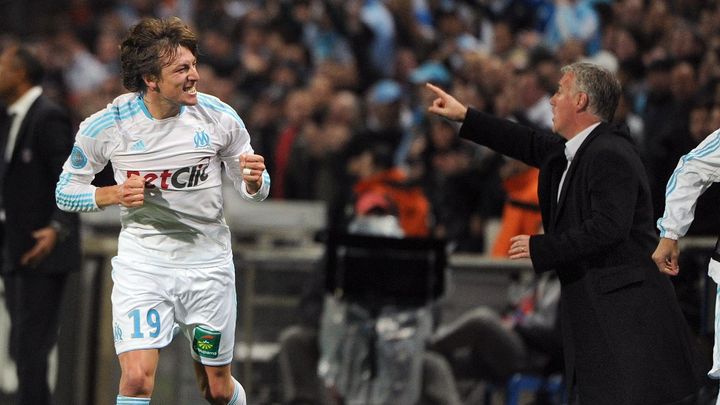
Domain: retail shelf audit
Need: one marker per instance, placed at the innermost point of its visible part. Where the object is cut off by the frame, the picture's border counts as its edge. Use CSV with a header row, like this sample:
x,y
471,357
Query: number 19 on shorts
x,y
151,320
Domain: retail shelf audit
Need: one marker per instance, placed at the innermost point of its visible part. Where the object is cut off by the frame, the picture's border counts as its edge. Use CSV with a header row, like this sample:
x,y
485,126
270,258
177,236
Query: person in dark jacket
x,y
40,243
625,340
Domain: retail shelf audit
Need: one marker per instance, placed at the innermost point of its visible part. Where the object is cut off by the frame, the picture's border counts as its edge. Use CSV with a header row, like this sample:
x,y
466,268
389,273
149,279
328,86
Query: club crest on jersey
x,y
185,177
202,139
78,160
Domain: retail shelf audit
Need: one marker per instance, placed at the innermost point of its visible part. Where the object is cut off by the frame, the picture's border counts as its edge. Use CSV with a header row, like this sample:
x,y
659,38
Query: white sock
x,y
238,397
121,400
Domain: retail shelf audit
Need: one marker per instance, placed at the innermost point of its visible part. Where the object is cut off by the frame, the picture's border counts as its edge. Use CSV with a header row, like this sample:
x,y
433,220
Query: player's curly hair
x,y
150,45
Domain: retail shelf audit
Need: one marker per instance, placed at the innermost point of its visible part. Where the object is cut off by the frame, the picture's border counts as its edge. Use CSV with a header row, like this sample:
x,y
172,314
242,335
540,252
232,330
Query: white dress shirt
x,y
18,110
571,148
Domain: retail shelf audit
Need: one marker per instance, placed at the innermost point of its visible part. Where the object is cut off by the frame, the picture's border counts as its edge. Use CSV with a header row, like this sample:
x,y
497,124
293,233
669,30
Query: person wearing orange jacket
x,y
521,212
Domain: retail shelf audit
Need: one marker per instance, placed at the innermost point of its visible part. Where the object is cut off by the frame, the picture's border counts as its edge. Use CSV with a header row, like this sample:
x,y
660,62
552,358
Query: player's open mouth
x,y
190,90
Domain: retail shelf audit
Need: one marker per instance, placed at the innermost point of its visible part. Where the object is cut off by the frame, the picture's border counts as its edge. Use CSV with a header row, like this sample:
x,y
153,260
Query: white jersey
x,y
181,158
695,172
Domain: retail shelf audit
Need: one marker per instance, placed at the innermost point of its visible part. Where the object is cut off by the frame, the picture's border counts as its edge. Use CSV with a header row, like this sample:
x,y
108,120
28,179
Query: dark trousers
x,y
33,301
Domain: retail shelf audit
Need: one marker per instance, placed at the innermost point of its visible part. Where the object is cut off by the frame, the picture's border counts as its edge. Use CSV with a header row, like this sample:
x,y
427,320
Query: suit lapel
x,y
572,169
556,165
5,123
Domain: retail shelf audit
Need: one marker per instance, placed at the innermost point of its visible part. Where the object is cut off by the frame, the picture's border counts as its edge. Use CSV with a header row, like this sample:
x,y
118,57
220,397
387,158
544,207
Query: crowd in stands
x,y
333,95
312,78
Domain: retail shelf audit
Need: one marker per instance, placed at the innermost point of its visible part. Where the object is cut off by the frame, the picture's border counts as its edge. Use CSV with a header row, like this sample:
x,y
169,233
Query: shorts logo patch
x,y
78,160
117,332
206,342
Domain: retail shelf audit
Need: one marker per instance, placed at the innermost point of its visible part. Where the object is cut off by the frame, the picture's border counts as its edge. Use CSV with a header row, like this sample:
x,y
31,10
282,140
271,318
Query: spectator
x,y
464,189
299,108
574,20
370,163
669,137
486,345
40,243
387,118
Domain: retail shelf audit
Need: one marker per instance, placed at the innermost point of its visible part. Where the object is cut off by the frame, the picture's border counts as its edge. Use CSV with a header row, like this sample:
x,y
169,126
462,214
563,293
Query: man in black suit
x,y
40,243
625,340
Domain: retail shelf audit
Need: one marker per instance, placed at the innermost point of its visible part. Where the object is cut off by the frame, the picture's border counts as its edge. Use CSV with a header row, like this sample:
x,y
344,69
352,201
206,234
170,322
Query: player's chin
x,y
189,99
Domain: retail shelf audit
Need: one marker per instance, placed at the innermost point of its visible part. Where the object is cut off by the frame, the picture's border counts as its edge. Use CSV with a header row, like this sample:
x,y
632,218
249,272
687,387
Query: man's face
x,y
10,76
177,85
563,104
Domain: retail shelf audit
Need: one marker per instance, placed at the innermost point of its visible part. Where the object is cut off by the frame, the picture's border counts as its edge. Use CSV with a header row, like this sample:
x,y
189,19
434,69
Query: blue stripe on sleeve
x,y
108,118
73,202
266,178
217,105
121,400
709,147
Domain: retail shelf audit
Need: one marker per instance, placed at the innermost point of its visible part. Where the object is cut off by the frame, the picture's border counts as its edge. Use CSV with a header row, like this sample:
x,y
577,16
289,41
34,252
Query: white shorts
x,y
151,304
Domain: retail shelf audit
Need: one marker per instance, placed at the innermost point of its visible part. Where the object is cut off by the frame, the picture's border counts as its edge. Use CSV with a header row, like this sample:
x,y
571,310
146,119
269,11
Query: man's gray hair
x,y
601,86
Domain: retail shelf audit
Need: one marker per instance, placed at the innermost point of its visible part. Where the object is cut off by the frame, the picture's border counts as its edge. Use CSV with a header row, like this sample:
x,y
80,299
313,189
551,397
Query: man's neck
x,y
158,107
580,125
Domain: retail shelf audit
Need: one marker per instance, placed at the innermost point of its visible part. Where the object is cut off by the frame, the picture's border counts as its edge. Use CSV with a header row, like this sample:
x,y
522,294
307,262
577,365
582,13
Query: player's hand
x,y
45,240
252,167
131,193
446,105
519,247
666,256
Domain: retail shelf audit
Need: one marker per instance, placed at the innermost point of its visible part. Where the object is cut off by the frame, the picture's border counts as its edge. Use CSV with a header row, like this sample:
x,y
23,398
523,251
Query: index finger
x,y
435,89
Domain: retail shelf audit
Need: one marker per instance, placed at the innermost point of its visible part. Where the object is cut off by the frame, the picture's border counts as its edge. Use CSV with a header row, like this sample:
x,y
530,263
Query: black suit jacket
x,y
625,340
42,145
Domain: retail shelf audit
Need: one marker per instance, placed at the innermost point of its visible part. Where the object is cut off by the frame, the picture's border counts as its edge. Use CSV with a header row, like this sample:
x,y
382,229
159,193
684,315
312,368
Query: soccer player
x,y
174,271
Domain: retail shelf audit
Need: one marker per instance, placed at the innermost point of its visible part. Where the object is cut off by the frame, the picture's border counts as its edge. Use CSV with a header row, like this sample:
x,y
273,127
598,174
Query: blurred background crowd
x,y
333,94
316,79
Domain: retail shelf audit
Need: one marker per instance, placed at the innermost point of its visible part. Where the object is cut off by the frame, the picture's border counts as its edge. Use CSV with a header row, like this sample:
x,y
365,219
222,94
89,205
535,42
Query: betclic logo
x,y
185,177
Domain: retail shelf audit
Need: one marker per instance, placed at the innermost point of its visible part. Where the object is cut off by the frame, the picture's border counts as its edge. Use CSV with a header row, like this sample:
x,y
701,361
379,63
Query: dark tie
x,y
564,174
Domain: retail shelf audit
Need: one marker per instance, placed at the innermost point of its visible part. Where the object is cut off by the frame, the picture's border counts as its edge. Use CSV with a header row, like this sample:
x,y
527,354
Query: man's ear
x,y
582,102
151,82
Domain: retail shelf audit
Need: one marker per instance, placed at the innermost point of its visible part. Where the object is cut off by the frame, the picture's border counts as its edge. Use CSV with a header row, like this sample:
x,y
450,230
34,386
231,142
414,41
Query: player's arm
x,y
74,191
244,167
129,194
249,176
252,167
695,172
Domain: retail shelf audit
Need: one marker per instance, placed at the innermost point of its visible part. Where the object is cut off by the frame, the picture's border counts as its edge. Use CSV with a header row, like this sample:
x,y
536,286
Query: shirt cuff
x,y
669,235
